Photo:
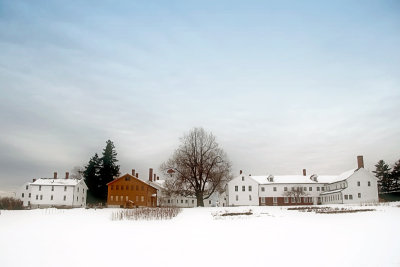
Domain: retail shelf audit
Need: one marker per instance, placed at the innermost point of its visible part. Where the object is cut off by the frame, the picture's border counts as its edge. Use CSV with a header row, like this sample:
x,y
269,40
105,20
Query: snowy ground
x,y
273,236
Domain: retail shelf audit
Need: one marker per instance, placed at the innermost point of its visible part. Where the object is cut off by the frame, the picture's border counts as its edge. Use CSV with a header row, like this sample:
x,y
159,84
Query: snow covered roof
x,y
301,179
331,192
51,181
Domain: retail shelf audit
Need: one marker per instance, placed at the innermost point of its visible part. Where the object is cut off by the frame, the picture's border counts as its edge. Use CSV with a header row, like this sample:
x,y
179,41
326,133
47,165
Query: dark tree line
x,y
101,170
388,178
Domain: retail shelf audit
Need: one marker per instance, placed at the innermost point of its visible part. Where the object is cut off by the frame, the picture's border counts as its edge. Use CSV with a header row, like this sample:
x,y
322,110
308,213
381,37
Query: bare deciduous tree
x,y
198,168
296,192
77,172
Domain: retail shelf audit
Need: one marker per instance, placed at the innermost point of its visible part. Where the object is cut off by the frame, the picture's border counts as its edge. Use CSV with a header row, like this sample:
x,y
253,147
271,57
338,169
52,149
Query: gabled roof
x,y
131,176
51,181
301,179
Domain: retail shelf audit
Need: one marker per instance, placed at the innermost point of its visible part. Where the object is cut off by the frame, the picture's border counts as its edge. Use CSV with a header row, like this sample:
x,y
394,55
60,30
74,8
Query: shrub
x,y
10,203
146,213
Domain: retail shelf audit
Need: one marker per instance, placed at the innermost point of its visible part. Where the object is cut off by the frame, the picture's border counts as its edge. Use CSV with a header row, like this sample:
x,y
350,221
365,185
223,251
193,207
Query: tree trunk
x,y
200,200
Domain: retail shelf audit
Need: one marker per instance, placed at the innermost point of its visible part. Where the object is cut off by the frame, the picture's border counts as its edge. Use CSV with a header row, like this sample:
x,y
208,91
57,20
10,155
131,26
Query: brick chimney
x,y
304,172
66,175
360,161
137,175
33,180
55,175
133,172
240,172
150,174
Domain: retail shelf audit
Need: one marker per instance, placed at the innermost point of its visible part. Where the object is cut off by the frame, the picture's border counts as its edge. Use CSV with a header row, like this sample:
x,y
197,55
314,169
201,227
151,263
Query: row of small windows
x,y
171,201
276,189
132,188
51,197
293,200
52,188
121,198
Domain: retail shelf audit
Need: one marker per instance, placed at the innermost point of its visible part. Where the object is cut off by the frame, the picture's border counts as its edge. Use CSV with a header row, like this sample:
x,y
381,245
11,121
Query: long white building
x,y
54,192
354,186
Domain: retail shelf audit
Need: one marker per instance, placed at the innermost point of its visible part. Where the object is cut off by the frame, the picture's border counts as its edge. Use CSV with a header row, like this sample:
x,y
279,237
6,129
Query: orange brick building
x,y
129,191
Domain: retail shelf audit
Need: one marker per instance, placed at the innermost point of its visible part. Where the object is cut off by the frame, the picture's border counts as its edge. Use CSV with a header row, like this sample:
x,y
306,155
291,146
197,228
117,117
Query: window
x,y
299,200
137,188
142,198
41,197
317,188
26,187
310,199
274,188
83,190
346,197
181,200
186,201
65,188
305,188
142,188
40,188
243,188
127,187
285,188
77,199
262,200
286,200
236,188
250,188
29,195
242,178
37,197
137,198
369,183
263,189
192,201
116,198
293,200
358,183
350,196
83,199
23,195
29,203
65,198
112,198
51,197
117,187
126,198
52,188
237,197
310,188
112,187
169,201
77,189
250,197
209,202
322,188
359,195
275,200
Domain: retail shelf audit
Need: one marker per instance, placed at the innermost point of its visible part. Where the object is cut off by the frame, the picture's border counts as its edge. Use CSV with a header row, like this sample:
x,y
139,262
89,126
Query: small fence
x,y
166,213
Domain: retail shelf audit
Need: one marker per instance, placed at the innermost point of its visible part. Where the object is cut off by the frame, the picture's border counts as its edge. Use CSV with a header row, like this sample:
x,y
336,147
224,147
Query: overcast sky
x,y
284,85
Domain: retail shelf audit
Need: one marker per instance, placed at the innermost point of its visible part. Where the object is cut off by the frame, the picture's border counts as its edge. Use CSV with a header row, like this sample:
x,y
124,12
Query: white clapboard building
x,y
354,186
165,200
54,192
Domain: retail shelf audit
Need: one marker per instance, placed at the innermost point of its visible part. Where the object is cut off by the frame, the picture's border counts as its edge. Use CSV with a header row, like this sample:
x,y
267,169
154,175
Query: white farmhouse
x,y
354,186
54,192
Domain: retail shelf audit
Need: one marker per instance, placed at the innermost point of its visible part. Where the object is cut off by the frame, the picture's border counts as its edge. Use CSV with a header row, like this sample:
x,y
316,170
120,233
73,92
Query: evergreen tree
x,y
109,169
91,175
396,175
382,172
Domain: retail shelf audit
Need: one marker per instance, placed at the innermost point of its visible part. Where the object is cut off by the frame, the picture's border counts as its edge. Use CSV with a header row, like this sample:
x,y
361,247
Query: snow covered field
x,y
273,236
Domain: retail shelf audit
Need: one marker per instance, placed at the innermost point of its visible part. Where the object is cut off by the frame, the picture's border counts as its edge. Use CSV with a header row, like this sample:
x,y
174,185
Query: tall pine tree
x,y
382,172
109,169
91,175
396,175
